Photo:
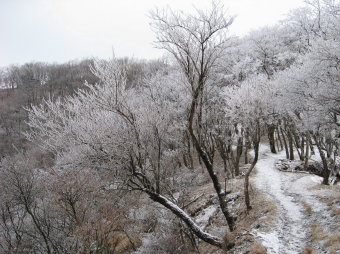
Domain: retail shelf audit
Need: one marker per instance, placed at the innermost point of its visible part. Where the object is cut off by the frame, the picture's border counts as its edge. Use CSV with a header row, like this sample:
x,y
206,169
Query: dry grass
x,y
318,233
335,212
259,217
308,208
258,248
331,240
333,243
229,240
329,201
333,205
308,250
121,243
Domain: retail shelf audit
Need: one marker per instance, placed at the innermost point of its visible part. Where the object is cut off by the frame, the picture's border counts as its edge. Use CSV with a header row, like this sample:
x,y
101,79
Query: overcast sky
x,y
63,30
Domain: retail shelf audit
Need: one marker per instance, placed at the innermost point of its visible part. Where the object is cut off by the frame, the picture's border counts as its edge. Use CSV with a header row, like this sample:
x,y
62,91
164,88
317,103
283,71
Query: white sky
x,y
62,30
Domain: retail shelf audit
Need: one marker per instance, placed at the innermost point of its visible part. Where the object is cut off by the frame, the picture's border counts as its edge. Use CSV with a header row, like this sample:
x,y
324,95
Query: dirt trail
x,y
291,233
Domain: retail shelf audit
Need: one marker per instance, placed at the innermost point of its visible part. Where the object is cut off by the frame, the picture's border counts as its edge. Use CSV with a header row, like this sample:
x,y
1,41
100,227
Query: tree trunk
x,y
189,161
271,137
227,172
285,143
302,147
208,164
182,215
222,150
297,147
216,183
277,144
325,170
185,160
236,159
279,138
329,147
246,179
307,151
291,145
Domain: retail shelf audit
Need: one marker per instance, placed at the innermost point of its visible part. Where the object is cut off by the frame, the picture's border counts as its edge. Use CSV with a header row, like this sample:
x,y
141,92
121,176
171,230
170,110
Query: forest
x,y
160,156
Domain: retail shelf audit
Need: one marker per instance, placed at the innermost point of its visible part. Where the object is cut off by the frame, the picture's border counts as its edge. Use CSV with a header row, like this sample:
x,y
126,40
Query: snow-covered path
x,y
292,192
289,235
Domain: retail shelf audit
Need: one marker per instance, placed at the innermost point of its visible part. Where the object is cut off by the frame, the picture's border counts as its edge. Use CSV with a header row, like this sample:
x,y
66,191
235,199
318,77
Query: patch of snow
x,y
316,156
206,214
316,179
176,195
114,186
271,241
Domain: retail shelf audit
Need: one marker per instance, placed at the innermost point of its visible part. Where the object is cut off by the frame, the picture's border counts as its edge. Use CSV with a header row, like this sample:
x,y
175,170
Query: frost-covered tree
x,y
309,89
310,95
28,217
249,107
197,42
133,134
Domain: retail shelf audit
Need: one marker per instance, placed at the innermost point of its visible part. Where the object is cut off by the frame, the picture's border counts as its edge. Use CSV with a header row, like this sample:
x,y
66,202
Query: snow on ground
x,y
291,233
204,216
